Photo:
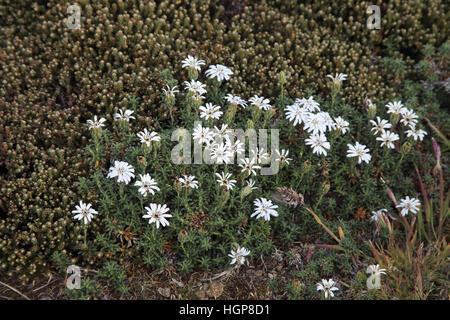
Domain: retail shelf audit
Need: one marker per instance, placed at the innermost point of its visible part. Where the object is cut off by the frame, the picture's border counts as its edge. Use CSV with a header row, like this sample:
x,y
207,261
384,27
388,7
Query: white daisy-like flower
x,y
170,92
264,209
283,156
84,212
409,117
198,97
327,286
147,137
122,170
249,166
237,147
380,125
260,102
309,104
259,155
360,151
236,100
251,184
222,133
188,181
337,78
225,181
315,123
296,114
220,153
96,123
192,62
417,134
341,125
125,115
203,134
319,143
210,111
239,255
376,215
387,139
395,107
196,87
146,185
327,120
157,214
374,269
218,71
409,205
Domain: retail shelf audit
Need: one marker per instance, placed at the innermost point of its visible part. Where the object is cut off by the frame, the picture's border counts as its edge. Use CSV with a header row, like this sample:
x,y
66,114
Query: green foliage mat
x,y
53,79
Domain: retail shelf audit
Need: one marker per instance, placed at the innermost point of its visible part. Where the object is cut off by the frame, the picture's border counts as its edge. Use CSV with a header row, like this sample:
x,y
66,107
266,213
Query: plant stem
x,y
85,235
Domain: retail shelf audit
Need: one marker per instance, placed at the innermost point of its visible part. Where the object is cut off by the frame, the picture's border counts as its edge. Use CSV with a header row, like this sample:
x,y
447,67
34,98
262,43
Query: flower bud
x,y
156,145
306,166
192,74
282,78
142,161
395,117
270,113
325,187
372,111
229,115
437,151
182,236
406,147
371,108
245,191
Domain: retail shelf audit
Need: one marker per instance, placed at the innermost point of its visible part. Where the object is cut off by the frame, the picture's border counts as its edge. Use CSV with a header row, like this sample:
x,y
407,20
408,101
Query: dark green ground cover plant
x,y
54,79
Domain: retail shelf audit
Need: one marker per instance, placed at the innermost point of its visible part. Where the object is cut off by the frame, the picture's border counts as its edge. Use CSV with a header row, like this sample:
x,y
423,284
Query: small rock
x,y
201,295
215,289
178,283
165,292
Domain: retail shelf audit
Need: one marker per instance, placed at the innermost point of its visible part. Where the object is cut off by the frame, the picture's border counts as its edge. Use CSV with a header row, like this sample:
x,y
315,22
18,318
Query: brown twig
x,y
441,213
41,287
15,290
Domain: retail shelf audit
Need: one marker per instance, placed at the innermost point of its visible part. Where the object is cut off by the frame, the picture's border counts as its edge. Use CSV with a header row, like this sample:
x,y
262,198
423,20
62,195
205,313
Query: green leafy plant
x,y
417,259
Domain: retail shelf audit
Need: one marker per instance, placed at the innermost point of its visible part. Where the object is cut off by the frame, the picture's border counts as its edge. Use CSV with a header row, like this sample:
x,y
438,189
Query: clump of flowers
x,y
312,168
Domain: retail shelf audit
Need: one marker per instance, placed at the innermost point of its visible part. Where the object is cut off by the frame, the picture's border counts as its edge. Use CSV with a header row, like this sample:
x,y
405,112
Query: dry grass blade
x,y
15,290
323,226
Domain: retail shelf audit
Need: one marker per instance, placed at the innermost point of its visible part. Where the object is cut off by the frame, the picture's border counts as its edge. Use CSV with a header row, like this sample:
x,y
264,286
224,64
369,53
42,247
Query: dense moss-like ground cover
x,y
54,79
